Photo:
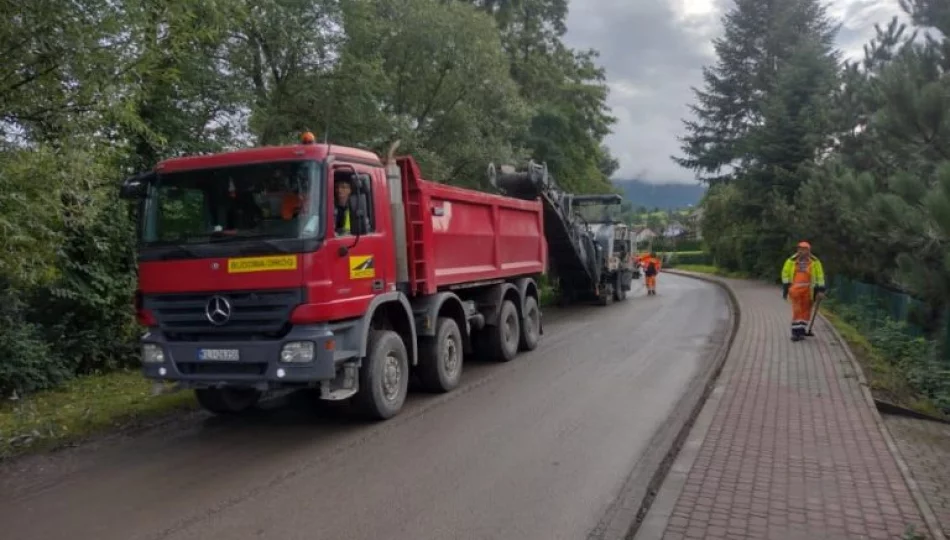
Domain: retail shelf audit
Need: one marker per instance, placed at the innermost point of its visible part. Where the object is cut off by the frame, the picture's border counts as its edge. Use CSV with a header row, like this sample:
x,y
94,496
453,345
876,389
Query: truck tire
x,y
503,338
531,327
440,357
384,376
227,401
606,295
620,294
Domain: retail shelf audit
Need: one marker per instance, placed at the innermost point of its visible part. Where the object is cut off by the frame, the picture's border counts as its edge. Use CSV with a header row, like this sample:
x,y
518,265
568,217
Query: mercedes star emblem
x,y
218,310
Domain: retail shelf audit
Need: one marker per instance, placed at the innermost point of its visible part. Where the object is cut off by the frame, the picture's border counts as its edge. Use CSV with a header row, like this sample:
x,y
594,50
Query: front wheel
x,y
384,376
227,401
440,358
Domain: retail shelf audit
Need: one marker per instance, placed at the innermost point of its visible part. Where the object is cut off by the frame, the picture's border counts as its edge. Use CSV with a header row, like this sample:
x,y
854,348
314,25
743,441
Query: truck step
x,y
338,394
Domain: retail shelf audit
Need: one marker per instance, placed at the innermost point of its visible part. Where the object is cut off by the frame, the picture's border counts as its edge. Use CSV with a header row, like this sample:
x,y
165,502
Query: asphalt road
x,y
535,449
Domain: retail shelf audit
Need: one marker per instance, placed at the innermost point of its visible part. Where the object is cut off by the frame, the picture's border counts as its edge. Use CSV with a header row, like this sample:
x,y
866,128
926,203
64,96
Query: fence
x,y
879,302
876,304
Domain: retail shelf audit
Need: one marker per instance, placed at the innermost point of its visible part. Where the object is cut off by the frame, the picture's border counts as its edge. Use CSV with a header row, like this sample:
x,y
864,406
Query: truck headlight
x,y
152,354
297,352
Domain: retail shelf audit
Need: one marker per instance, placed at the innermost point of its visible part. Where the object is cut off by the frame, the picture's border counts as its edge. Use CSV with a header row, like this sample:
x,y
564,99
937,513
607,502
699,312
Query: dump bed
x,y
456,236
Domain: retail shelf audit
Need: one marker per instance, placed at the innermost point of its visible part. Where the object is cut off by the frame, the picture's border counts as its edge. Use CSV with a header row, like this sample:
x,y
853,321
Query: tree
x,y
759,39
763,120
566,88
442,81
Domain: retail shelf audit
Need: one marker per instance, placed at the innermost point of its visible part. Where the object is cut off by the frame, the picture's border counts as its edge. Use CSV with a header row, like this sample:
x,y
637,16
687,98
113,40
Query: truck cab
x,y
288,268
613,242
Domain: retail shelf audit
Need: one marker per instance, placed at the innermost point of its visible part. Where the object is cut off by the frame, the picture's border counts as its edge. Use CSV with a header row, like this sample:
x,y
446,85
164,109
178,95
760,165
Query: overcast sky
x,y
654,51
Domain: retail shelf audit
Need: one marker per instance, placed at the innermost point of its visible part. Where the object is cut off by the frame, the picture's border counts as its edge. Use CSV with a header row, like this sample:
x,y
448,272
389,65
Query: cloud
x,y
654,52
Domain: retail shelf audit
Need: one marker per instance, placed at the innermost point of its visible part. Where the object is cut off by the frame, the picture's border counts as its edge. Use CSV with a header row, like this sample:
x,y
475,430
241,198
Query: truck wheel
x,y
226,401
606,295
619,293
440,358
531,328
503,338
384,376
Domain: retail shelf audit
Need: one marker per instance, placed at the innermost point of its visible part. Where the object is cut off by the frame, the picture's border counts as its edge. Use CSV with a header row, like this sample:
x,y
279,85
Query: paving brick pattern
x,y
793,450
925,446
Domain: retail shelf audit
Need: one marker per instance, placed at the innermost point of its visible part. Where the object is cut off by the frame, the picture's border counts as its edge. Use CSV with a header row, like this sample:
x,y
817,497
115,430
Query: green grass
x,y
885,379
691,252
710,269
83,407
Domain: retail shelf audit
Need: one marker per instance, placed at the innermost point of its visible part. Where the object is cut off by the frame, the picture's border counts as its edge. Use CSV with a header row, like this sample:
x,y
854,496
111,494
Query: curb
x,y
886,407
681,437
930,518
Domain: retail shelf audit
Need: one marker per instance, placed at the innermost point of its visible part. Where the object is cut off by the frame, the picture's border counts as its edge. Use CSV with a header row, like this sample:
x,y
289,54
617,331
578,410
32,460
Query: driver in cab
x,y
343,189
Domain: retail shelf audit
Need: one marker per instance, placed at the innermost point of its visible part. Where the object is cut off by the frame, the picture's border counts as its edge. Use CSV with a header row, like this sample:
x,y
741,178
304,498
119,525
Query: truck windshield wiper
x,y
256,245
258,242
178,252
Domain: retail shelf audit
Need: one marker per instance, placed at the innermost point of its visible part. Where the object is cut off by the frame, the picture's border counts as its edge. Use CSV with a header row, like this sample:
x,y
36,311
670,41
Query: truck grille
x,y
263,314
220,368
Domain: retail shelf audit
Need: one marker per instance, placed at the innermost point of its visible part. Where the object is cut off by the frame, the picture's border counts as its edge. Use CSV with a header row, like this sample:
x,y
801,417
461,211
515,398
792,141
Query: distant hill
x,y
663,196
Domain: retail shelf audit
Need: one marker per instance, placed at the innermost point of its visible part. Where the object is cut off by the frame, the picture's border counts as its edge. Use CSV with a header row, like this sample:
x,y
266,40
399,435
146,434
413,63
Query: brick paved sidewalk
x,y
925,446
791,447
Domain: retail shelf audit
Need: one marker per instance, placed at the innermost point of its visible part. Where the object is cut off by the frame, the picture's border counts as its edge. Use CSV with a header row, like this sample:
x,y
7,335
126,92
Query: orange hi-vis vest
x,y
802,275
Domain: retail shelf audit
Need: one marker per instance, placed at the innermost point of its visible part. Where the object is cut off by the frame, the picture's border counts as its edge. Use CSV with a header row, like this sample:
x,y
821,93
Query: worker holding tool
x,y
651,267
803,278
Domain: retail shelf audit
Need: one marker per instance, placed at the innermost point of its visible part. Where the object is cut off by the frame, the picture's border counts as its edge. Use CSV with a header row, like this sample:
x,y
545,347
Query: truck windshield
x,y
599,213
265,200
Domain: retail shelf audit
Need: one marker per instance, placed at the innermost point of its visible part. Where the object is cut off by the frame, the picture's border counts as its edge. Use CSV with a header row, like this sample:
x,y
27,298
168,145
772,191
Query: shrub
x,y
913,356
671,260
27,361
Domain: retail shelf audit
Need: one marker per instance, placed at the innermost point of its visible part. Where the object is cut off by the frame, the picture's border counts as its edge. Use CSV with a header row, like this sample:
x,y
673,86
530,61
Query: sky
x,y
654,51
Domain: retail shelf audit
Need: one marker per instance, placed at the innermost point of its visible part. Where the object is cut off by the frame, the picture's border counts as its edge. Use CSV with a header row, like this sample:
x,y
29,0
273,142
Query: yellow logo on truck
x,y
262,264
362,267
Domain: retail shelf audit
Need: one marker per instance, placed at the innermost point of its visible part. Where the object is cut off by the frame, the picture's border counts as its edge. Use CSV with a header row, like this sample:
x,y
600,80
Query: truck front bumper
x,y
259,364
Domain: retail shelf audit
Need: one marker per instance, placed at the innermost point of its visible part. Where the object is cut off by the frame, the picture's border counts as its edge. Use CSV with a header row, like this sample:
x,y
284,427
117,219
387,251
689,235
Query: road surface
x,y
534,449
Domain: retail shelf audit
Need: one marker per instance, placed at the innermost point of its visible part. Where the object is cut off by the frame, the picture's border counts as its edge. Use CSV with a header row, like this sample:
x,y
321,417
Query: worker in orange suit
x,y
651,267
803,279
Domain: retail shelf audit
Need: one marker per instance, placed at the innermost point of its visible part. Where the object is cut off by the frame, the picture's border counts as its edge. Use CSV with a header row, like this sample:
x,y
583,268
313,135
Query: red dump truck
x,y
249,283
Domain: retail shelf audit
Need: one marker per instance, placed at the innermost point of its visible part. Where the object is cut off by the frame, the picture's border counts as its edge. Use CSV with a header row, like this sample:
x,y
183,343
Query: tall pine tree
x,y
759,38
763,114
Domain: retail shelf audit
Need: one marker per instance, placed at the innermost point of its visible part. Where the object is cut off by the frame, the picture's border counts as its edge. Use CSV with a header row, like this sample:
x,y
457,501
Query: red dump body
x,y
457,236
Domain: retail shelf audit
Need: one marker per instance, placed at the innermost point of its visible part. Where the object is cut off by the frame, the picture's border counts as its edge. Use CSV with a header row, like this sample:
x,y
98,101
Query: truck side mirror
x,y
136,187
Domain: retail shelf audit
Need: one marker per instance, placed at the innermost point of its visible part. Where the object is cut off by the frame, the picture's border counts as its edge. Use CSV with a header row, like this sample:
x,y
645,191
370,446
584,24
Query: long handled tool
x,y
814,314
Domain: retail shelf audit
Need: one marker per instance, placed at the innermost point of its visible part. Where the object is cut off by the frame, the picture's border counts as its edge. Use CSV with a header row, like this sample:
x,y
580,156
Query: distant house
x,y
675,230
645,235
695,221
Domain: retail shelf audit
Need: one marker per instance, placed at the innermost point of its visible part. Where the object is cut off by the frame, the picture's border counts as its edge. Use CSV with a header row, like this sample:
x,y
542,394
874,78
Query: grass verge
x,y
81,408
709,269
885,378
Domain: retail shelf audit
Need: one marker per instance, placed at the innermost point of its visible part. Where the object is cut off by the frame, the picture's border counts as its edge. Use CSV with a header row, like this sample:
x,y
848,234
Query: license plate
x,y
227,355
